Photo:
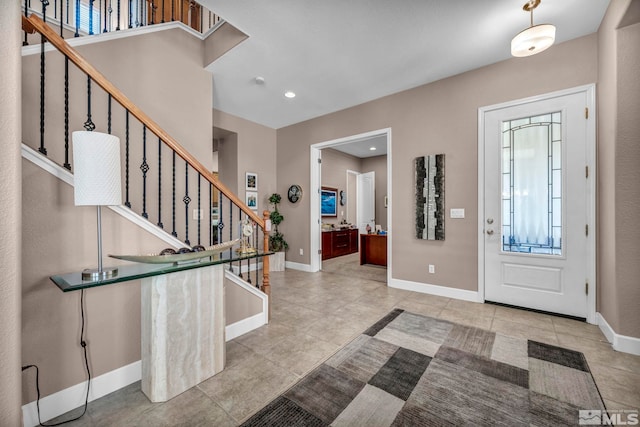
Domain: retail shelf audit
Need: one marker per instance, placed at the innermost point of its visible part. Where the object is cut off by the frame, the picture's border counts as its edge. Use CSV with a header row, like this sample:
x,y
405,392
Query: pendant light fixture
x,y
534,39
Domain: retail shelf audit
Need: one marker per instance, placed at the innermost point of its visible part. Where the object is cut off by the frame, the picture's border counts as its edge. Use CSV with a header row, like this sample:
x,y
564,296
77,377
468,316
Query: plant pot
x,y
276,261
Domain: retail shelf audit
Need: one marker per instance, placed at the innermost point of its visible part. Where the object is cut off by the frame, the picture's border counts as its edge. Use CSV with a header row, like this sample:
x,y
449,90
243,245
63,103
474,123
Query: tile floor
x,y
313,315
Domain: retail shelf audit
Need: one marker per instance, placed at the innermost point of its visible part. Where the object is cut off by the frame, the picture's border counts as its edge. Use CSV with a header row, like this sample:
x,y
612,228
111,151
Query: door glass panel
x,y
532,185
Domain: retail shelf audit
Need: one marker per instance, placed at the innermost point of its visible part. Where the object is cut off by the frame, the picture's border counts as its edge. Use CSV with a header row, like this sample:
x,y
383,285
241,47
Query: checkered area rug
x,y
413,370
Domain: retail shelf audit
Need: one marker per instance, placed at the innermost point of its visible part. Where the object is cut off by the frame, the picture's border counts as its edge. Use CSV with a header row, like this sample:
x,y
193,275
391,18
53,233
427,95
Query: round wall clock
x,y
295,193
343,198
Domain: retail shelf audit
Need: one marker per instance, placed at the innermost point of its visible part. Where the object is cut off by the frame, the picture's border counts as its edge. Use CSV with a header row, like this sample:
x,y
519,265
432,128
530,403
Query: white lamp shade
x,y
96,169
533,40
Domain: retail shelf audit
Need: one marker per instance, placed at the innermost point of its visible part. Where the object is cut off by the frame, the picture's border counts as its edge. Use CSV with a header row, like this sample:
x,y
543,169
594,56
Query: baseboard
x,y
441,291
245,325
623,343
298,266
70,398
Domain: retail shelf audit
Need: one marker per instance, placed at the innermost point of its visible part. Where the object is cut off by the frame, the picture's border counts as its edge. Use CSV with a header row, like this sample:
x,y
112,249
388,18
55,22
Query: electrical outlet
x,y
198,214
301,251
432,268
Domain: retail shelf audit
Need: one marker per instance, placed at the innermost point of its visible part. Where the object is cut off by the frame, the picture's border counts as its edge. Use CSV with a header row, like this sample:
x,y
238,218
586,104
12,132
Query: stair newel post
x,y
186,200
160,184
144,167
266,286
127,203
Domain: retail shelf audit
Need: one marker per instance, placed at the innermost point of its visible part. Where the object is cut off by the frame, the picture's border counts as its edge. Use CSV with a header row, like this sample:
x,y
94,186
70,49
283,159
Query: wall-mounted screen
x,y
328,201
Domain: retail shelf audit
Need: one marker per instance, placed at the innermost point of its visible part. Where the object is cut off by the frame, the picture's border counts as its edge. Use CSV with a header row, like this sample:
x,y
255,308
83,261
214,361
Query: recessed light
x,y
372,148
290,94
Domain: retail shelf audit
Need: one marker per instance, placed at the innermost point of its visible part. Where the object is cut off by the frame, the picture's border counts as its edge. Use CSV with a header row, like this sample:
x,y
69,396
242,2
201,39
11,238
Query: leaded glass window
x,y
532,185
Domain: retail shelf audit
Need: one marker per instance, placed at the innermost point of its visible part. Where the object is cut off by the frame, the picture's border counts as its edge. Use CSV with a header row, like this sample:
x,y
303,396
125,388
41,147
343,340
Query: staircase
x,y
166,187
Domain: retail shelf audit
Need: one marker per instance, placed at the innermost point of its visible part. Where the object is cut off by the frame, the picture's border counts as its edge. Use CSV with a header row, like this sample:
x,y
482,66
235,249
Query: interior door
x,y
366,189
536,205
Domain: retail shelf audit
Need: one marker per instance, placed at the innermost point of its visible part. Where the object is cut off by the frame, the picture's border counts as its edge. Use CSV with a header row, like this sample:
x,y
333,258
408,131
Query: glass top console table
x,y
127,272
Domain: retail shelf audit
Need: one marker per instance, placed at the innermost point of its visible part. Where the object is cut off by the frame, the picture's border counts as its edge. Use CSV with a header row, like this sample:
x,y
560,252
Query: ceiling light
x,y
372,148
290,94
534,39
259,80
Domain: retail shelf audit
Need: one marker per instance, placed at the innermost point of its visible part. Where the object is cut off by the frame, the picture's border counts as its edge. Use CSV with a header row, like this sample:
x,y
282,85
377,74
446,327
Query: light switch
x,y
457,213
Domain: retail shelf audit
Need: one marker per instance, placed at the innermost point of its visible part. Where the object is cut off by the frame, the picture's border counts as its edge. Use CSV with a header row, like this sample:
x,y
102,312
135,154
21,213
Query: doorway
x,y
536,181
316,183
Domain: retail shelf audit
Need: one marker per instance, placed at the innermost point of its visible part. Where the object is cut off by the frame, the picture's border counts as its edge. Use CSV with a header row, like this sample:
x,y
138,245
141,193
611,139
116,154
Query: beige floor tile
x,y
246,387
419,308
467,318
601,353
617,385
433,300
577,328
334,329
299,354
521,330
480,309
537,320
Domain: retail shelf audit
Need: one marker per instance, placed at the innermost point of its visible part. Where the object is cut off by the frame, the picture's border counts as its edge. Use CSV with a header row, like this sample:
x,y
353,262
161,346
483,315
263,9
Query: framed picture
x,y
251,180
251,199
329,201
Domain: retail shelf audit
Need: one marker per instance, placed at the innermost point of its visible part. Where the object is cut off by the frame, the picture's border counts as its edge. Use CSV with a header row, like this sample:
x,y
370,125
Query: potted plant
x,y
277,243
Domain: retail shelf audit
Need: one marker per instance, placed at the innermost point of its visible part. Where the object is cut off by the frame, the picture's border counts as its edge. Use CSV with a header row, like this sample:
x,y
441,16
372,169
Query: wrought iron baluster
x,y
241,236
106,15
130,13
26,15
144,167
210,217
199,209
160,183
91,17
230,231
173,198
163,16
42,149
61,20
77,33
153,12
173,11
127,203
89,125
67,19
67,165
55,9
109,114
220,217
118,16
186,200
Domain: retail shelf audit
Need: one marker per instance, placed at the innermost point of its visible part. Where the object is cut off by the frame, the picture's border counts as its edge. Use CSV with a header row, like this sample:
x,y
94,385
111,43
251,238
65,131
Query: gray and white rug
x,y
413,370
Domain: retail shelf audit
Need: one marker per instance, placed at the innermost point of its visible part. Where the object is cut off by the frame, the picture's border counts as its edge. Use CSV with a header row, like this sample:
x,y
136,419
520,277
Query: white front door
x,y
536,204
366,190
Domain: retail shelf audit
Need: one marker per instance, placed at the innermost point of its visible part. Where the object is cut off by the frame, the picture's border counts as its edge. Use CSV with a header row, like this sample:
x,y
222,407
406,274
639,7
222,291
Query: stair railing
x,y
190,182
89,17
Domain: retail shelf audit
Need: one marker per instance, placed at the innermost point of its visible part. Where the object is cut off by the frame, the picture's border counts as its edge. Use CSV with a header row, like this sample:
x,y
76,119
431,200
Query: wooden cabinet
x,y
339,242
373,249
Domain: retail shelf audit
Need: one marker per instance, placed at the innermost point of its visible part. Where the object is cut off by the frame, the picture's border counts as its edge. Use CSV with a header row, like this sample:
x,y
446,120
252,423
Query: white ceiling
x,y
336,54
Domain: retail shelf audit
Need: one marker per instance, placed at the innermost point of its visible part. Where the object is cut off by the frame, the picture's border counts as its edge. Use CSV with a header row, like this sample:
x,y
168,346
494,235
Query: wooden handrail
x,y
34,22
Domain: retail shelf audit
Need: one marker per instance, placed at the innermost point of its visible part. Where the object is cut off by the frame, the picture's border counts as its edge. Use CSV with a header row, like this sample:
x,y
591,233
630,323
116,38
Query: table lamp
x,y
97,182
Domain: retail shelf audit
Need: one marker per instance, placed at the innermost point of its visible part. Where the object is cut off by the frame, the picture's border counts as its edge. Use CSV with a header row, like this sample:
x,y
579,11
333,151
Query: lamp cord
x,y
83,344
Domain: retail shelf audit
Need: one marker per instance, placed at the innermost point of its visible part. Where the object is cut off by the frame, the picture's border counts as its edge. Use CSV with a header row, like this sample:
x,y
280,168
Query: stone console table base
x,y
183,330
